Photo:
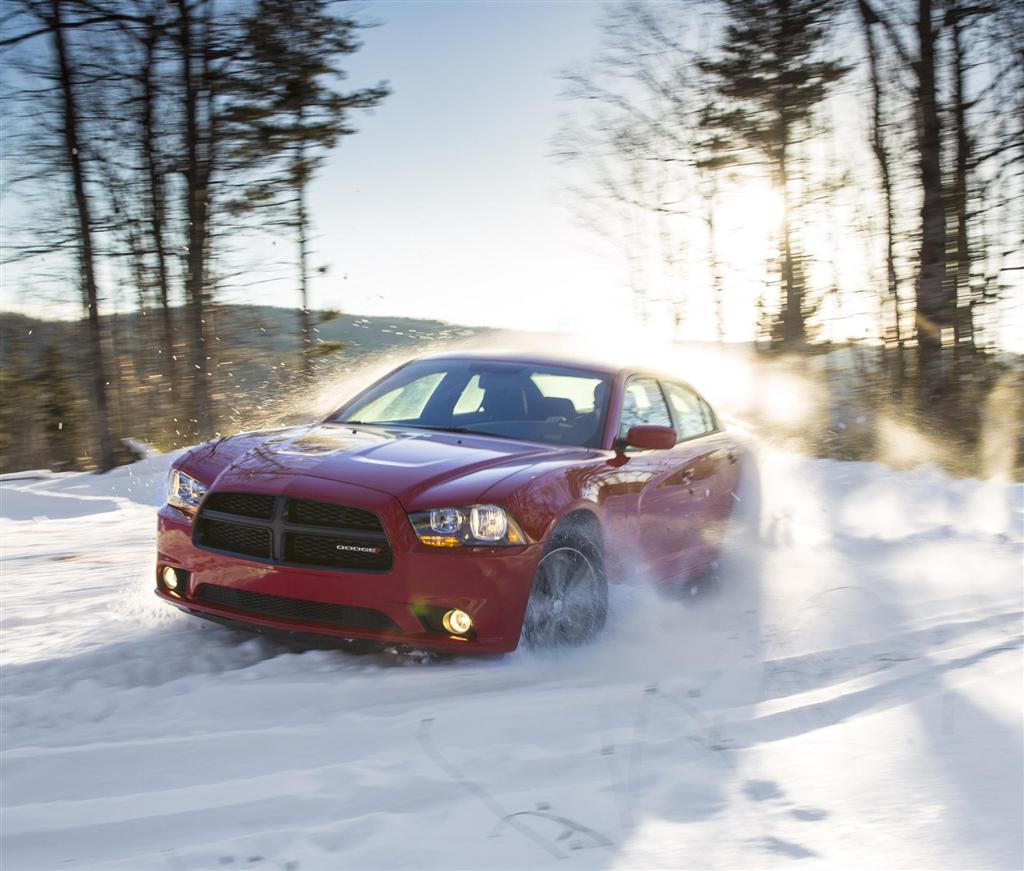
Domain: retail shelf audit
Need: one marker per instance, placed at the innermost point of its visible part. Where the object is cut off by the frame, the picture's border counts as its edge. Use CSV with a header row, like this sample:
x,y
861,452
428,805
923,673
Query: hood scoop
x,y
321,440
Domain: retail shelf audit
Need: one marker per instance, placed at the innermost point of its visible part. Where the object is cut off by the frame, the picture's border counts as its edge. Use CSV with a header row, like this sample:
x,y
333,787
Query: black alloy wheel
x,y
569,601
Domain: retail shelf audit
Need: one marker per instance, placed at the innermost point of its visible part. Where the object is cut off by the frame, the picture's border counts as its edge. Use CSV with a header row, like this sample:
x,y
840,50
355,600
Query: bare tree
x,y
56,19
152,34
637,142
771,72
195,46
935,305
881,152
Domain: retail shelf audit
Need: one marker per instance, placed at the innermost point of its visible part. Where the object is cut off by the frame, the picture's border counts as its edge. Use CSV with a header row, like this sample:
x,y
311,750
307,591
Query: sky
x,y
447,203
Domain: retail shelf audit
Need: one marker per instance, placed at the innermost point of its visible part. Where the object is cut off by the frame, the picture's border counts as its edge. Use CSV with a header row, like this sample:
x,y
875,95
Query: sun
x,y
749,217
749,214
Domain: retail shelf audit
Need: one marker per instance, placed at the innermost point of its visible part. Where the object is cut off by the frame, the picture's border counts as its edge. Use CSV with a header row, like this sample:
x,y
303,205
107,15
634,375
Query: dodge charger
x,y
463,502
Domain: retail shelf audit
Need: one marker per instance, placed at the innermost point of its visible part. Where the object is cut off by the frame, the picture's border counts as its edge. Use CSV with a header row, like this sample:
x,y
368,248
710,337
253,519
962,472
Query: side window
x,y
642,403
692,414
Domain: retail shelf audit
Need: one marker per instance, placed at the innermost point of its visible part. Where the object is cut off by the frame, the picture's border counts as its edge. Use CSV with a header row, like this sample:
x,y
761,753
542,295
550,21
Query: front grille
x,y
304,610
299,532
234,537
245,504
319,550
310,513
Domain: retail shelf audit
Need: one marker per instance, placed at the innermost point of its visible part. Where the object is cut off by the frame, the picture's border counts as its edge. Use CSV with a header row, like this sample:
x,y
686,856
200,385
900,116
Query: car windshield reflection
x,y
525,401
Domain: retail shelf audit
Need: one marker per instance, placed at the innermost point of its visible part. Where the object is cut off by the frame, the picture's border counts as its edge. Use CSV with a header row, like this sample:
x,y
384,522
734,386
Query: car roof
x,y
573,361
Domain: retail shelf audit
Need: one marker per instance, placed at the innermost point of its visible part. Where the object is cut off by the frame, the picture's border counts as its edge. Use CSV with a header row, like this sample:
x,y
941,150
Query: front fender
x,y
541,496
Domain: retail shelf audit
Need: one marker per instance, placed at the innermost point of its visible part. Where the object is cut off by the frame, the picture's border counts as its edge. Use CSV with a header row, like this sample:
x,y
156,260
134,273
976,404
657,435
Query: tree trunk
x,y
210,140
881,154
196,199
302,226
714,263
143,344
963,326
934,309
155,183
794,329
97,364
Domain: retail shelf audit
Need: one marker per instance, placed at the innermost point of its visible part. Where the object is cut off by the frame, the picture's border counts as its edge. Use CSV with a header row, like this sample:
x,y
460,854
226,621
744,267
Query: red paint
x,y
650,437
661,511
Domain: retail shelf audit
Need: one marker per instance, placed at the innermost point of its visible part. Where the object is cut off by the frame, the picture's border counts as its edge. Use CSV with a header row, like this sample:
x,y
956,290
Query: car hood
x,y
419,467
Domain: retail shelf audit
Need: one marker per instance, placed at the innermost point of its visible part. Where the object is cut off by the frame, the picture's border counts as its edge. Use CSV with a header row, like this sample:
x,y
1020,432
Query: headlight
x,y
477,525
184,492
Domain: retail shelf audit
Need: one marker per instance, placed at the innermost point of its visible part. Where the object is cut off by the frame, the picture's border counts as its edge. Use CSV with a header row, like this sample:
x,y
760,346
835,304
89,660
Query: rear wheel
x,y
569,601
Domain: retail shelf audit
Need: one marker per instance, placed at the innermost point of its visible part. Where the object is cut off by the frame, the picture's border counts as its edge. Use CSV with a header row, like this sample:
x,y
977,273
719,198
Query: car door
x,y
648,528
707,466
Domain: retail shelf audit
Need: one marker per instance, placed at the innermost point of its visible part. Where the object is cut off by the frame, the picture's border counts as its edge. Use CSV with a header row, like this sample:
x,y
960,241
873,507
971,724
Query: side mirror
x,y
649,437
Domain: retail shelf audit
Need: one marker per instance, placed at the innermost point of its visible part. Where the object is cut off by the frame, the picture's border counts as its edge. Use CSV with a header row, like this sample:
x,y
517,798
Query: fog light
x,y
457,622
170,577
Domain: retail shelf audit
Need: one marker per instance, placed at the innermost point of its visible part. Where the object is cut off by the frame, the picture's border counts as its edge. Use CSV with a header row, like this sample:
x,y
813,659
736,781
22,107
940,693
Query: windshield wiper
x,y
458,429
402,425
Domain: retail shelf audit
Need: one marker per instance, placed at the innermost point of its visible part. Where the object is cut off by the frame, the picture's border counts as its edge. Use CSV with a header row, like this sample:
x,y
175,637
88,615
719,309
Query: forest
x,y
879,143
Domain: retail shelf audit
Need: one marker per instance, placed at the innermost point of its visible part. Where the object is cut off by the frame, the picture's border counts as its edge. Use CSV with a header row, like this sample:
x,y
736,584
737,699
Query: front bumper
x,y
491,584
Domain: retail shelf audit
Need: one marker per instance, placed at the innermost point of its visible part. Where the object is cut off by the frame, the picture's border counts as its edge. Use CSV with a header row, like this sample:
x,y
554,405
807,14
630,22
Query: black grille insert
x,y
234,537
244,504
320,550
310,513
295,609
301,532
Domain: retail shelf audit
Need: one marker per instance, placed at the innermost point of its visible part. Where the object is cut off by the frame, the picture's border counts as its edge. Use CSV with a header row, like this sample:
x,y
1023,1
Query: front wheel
x,y
569,601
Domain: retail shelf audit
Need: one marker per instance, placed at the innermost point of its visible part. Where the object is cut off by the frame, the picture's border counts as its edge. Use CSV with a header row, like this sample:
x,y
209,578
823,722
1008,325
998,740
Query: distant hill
x,y
254,367
273,330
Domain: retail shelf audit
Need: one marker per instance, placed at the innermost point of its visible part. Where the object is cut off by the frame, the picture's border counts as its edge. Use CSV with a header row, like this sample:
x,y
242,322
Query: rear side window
x,y
642,404
692,414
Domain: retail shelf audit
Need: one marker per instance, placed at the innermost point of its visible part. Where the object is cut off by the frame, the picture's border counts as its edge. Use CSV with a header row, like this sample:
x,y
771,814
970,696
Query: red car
x,y
461,503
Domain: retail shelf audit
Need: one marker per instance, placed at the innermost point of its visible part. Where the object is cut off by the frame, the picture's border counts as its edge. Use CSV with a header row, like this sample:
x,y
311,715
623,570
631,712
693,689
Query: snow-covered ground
x,y
851,697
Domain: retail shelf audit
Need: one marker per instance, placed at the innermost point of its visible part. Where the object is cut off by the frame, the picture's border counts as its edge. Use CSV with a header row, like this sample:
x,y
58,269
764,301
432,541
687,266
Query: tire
x,y
568,603
702,585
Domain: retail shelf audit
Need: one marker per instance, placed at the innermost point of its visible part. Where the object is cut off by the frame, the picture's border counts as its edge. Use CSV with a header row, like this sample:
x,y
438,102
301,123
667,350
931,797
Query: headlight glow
x,y
457,622
170,577
488,522
184,491
445,521
473,526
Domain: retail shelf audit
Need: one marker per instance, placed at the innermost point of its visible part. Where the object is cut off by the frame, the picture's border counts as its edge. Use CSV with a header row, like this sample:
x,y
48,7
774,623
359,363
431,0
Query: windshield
x,y
510,399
